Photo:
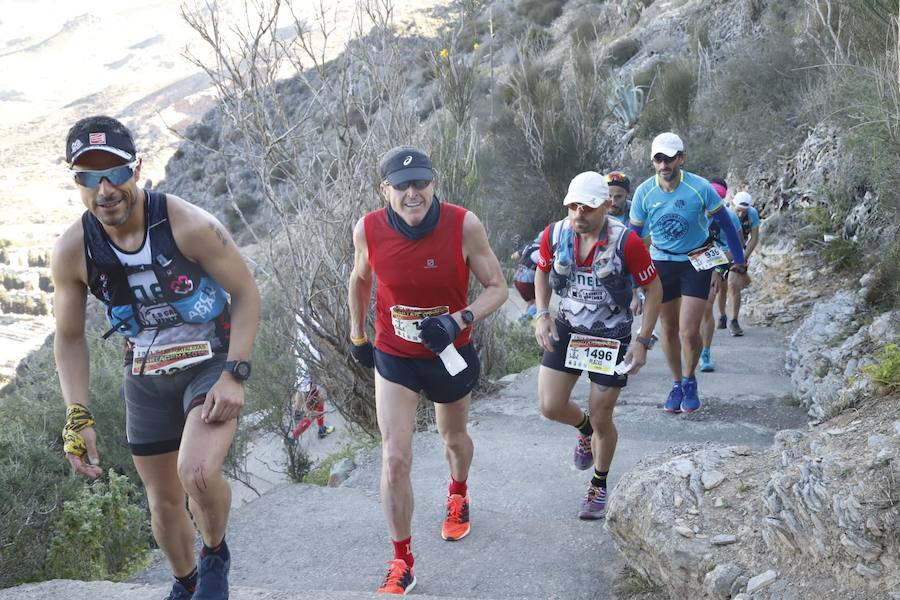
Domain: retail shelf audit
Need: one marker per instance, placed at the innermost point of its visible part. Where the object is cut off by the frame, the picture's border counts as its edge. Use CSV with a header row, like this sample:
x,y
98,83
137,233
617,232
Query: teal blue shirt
x,y
679,220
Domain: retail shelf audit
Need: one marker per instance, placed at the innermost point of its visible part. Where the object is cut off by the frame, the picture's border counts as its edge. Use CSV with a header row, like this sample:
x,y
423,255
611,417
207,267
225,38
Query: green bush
x,y
102,534
516,349
621,51
753,109
886,372
542,12
884,292
35,479
671,97
13,282
585,31
841,254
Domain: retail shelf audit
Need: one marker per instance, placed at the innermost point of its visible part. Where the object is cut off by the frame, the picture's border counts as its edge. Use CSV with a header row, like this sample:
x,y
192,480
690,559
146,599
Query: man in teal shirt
x,y
673,208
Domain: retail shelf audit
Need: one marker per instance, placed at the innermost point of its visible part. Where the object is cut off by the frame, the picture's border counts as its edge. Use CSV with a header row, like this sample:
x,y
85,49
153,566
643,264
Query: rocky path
x,y
526,541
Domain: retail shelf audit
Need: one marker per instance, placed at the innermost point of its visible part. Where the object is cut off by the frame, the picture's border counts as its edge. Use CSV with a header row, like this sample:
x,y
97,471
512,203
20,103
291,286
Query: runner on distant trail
x,y
589,261
619,193
420,251
717,285
523,279
676,206
308,404
749,220
165,269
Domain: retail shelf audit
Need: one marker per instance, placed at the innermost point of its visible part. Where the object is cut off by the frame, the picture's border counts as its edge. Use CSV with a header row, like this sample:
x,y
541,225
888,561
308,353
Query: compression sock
x,y
599,478
189,581
584,426
403,549
458,487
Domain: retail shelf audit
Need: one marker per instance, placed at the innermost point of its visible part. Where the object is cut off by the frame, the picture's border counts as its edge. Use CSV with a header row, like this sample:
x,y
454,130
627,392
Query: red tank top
x,y
429,273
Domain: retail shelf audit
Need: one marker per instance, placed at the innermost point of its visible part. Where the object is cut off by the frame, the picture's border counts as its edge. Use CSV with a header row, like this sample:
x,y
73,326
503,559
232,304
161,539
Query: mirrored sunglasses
x,y
116,175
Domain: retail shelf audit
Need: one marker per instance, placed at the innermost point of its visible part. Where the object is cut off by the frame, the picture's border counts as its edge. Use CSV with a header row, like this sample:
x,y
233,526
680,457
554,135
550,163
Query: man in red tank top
x,y
421,251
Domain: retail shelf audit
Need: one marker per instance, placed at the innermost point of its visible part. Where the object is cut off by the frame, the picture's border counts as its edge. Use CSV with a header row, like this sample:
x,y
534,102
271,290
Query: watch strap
x,y
645,342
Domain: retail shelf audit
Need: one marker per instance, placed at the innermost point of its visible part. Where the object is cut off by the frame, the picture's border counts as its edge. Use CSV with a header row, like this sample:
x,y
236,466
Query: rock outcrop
x,y
818,515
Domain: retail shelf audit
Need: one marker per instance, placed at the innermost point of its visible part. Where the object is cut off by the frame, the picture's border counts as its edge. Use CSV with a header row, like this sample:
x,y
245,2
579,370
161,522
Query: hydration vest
x,y
600,305
182,293
525,255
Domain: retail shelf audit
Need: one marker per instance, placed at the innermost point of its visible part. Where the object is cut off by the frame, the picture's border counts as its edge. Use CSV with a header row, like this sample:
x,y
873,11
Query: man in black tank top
x,y
202,363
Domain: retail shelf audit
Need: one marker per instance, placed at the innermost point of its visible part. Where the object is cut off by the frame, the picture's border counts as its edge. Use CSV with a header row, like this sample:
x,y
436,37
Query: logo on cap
x,y
407,160
96,138
76,145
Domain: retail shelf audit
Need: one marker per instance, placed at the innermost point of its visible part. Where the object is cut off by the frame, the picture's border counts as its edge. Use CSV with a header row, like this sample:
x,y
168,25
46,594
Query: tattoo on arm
x,y
219,233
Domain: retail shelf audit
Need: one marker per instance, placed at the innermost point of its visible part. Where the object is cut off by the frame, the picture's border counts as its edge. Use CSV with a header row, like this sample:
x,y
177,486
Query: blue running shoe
x,y
673,402
706,362
179,592
213,584
691,401
584,456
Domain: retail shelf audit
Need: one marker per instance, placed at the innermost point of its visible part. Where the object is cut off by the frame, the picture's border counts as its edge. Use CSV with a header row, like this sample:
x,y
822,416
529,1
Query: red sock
x,y
403,549
458,487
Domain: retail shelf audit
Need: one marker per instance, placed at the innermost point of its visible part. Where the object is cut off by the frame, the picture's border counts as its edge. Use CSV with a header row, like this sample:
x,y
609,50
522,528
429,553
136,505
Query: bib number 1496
x,y
593,354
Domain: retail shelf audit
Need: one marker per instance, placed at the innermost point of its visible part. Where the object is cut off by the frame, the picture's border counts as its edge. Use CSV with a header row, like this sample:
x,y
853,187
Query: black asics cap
x,y
405,163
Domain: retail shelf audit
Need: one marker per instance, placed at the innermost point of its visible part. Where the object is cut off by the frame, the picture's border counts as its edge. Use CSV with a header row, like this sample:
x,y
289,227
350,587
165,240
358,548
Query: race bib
x,y
708,257
170,358
593,354
406,320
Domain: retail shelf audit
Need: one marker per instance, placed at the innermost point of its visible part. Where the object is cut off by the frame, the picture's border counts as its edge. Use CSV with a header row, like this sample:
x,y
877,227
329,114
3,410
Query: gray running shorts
x,y
156,405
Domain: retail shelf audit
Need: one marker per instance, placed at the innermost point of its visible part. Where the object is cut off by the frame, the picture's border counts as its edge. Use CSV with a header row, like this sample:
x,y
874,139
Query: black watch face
x,y
241,370
467,317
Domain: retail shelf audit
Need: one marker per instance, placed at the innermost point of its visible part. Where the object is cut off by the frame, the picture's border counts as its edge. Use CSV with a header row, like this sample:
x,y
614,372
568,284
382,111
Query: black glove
x,y
363,354
558,282
438,332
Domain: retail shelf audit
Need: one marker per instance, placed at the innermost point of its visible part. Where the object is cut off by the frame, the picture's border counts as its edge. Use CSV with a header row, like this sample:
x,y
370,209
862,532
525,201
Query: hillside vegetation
x,y
512,98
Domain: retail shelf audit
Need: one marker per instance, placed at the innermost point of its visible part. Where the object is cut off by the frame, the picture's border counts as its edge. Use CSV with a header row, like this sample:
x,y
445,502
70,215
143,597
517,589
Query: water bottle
x,y
564,252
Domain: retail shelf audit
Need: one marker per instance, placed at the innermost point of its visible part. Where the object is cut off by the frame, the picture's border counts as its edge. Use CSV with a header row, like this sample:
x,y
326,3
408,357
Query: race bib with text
x,y
406,320
708,257
593,354
170,358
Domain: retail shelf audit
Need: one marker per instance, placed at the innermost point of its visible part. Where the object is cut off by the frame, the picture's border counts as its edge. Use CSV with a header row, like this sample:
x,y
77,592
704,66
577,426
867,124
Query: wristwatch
x,y
647,343
467,317
740,268
239,369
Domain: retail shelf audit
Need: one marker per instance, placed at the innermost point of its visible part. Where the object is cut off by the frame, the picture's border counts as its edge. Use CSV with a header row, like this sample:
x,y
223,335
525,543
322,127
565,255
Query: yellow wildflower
x,y
445,53
476,46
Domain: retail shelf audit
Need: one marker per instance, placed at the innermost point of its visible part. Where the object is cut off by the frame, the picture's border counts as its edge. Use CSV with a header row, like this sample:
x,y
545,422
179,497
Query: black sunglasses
x,y
662,158
420,184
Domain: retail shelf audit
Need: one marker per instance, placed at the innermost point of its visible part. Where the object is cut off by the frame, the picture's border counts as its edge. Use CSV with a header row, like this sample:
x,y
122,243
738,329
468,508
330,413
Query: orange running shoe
x,y
400,579
456,525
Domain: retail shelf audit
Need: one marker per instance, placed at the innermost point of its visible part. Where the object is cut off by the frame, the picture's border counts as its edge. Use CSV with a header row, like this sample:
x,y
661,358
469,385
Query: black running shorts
x,y
556,359
156,405
429,374
680,278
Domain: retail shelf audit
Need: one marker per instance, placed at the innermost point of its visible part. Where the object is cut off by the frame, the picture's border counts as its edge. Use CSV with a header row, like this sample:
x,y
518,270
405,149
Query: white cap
x,y
588,188
666,143
742,199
